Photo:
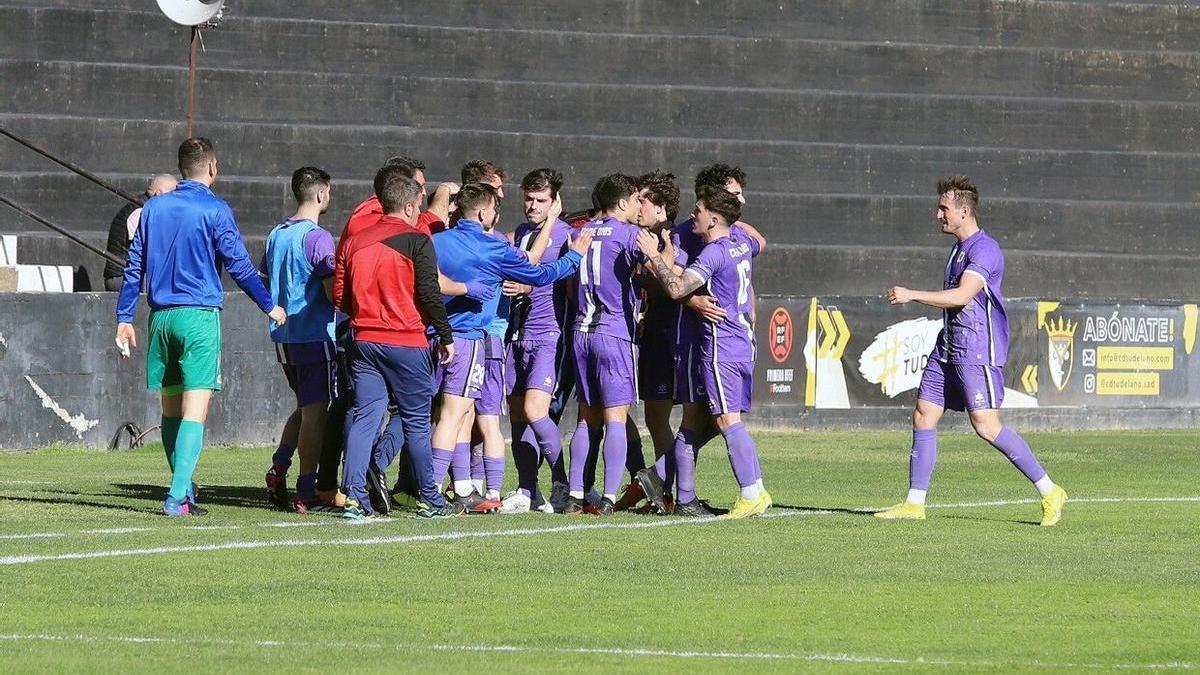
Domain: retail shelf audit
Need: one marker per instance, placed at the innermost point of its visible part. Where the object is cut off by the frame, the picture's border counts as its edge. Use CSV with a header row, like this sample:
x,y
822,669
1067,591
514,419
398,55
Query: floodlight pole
x,y
193,57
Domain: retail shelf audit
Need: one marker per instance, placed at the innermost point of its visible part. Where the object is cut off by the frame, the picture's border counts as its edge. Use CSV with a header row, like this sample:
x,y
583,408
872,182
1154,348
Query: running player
x,y
604,349
727,349
467,252
298,264
181,240
964,370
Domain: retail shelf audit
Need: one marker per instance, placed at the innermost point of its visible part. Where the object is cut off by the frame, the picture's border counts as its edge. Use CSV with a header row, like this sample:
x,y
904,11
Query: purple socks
x,y
685,465
441,464
525,456
493,471
923,458
580,443
1017,451
616,447
743,456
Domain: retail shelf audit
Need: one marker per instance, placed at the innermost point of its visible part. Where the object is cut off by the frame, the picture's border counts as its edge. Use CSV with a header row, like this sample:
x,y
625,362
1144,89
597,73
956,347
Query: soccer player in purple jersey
x,y
964,370
697,427
534,353
727,350
298,264
658,207
605,353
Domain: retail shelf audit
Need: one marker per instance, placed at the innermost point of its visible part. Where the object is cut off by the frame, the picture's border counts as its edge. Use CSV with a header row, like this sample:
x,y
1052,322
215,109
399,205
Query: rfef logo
x,y
781,334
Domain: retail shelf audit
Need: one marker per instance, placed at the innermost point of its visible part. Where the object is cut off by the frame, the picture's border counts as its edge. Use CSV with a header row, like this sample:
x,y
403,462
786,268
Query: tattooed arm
x,y
677,285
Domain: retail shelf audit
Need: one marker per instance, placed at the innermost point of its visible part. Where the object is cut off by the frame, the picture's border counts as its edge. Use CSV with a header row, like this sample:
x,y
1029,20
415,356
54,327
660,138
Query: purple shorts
x,y
961,388
533,364
689,377
312,382
606,367
729,386
464,374
656,369
493,397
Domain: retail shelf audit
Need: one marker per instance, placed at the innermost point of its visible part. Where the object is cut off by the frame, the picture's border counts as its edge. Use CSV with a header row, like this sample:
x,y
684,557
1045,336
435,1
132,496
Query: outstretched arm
x,y
951,298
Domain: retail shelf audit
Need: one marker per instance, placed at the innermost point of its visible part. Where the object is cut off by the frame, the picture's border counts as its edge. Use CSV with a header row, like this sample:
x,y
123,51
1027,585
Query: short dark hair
x,y
474,196
307,181
662,191
717,176
541,179
723,203
194,155
961,189
395,188
611,189
413,165
479,171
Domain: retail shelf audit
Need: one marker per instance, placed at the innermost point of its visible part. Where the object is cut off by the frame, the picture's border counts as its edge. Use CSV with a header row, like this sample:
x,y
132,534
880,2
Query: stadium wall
x,y
824,362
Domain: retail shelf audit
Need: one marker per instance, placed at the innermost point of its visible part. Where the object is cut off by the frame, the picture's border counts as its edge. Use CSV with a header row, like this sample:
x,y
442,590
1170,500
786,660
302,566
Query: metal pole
x,y
86,174
193,56
64,232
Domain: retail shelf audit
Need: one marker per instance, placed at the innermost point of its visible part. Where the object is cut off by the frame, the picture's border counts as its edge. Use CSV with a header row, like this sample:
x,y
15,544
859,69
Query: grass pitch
x,y
93,580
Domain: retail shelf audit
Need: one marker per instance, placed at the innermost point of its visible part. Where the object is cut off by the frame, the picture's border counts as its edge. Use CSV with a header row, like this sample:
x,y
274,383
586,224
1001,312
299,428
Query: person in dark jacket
x,y
124,224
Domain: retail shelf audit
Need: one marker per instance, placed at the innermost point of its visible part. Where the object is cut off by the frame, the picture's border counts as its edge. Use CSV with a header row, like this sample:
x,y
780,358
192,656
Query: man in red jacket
x,y
386,281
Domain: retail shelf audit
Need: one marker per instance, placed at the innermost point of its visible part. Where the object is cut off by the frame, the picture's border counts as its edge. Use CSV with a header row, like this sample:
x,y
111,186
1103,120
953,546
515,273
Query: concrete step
x,y
1115,24
308,46
841,270
787,218
159,92
275,149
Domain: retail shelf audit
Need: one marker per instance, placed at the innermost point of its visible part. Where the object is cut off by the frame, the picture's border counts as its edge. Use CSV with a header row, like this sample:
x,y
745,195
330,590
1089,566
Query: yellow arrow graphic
x,y
1029,379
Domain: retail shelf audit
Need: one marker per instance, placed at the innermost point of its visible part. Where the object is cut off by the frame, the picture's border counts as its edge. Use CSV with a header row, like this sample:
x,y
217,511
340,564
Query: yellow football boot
x,y
904,511
1052,506
748,508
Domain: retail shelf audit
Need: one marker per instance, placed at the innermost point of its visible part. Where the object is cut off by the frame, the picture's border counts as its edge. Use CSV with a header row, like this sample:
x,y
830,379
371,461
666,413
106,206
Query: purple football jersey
x,y
539,316
606,303
726,267
977,334
685,332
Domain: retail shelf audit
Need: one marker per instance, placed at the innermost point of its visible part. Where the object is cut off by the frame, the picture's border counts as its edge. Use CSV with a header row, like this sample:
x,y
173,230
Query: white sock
x,y
915,497
751,491
759,483
462,488
1044,485
493,494
577,494
477,484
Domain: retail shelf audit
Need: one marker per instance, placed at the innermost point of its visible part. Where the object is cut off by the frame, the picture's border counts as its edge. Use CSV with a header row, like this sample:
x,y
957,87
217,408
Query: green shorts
x,y
184,350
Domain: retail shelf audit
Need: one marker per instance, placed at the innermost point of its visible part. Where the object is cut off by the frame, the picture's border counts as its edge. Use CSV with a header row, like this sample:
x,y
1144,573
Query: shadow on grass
x,y
824,509
67,500
221,495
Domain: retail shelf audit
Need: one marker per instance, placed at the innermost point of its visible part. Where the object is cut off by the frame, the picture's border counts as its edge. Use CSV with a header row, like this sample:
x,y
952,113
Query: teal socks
x,y
188,443
170,432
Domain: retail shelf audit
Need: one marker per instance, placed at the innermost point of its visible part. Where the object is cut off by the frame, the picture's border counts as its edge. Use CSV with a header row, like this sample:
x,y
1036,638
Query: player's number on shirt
x,y
743,270
589,271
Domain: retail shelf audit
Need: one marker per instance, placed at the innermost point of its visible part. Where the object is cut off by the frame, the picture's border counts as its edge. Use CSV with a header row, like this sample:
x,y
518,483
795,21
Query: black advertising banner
x,y
1117,355
851,352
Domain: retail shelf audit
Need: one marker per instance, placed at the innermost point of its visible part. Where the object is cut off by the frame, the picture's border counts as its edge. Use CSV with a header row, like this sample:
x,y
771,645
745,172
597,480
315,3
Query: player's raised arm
x,y
514,266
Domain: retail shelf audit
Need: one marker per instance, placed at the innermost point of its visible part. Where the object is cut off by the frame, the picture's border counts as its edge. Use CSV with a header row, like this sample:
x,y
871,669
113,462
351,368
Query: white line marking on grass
x,y
34,535
633,652
117,530
373,541
27,482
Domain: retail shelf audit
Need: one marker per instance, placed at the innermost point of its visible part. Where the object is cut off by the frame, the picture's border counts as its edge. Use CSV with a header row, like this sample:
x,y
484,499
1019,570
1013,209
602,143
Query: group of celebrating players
x,y
406,341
